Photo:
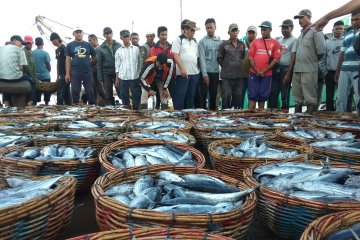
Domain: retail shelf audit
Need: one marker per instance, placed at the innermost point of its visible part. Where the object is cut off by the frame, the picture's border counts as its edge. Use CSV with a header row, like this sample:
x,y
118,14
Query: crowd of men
x,y
196,73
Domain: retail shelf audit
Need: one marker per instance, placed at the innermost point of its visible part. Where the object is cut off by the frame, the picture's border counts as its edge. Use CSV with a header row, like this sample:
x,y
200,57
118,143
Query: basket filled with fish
x,y
29,126
14,112
310,134
178,137
341,116
11,138
84,139
135,153
180,197
36,208
145,233
116,110
232,156
95,125
293,194
271,124
233,114
337,125
165,114
334,226
193,112
161,125
345,150
54,159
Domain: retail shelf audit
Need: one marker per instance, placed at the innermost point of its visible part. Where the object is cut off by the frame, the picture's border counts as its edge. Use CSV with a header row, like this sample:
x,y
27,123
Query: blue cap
x,y
266,24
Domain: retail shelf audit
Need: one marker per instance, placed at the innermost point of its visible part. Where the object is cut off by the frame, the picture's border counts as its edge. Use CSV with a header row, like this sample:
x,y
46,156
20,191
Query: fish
x,y
349,232
169,176
207,186
143,183
123,189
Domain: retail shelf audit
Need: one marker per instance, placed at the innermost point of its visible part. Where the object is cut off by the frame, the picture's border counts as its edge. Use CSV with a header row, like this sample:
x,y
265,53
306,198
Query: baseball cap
x,y
77,28
302,13
17,37
124,33
28,39
233,26
266,24
252,28
107,30
39,41
286,23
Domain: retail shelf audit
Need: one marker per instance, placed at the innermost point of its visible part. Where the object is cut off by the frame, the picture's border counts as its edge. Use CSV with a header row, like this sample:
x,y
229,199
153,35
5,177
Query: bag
x,y
270,57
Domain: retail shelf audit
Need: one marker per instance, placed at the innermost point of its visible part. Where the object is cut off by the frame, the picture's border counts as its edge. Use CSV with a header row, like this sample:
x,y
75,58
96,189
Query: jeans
x,y
185,88
231,93
347,80
84,78
330,90
211,89
63,91
135,87
278,86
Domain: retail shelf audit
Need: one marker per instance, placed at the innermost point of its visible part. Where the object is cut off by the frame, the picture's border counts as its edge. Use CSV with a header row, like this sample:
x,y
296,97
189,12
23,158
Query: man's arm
x,y
340,62
347,8
68,68
99,61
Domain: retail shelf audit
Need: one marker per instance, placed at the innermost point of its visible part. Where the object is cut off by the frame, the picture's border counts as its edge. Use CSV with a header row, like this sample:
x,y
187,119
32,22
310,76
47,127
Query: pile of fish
x,y
349,233
164,114
81,124
8,110
151,155
21,190
169,192
217,122
159,125
308,181
54,153
8,139
80,134
346,146
253,148
235,134
268,123
196,111
340,124
317,134
166,136
11,126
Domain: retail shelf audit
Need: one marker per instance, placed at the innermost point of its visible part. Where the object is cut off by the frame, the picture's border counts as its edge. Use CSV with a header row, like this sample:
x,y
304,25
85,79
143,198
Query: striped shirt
x,y
351,60
128,62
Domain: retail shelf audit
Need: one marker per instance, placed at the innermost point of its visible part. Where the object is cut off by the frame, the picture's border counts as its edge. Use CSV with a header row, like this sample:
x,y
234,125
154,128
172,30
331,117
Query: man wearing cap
x,y
79,55
43,68
12,61
30,68
329,62
264,55
251,35
230,56
128,63
186,54
287,42
208,50
304,69
63,94
105,57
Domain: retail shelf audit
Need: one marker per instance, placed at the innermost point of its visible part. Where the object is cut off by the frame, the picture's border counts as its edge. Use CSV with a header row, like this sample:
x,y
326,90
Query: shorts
x,y
259,87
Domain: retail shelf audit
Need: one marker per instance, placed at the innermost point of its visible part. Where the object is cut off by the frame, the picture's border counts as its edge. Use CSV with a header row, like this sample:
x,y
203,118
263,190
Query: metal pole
x,y
181,18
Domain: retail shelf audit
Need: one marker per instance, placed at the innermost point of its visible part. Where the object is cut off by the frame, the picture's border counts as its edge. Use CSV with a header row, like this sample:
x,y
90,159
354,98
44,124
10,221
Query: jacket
x,y
106,59
148,72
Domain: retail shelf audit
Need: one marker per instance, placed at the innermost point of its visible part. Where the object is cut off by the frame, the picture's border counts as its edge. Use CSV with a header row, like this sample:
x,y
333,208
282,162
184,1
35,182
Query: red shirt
x,y
260,56
156,49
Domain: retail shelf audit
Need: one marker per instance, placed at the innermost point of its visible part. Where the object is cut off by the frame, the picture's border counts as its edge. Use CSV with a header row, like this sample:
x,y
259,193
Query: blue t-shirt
x,y
41,58
80,53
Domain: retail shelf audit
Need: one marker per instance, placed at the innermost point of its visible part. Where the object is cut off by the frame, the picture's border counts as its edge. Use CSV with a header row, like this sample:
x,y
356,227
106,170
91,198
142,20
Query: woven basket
x,y
234,166
152,233
155,114
288,216
340,116
44,126
127,143
44,217
324,226
85,173
191,138
297,123
95,142
119,128
338,129
232,114
46,87
111,214
187,126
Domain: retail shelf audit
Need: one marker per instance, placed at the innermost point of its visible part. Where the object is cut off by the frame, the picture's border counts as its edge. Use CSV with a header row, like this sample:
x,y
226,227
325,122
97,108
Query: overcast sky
x,y
19,17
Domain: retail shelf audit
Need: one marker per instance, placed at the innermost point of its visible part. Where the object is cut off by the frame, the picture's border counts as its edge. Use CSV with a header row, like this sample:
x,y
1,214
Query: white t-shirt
x,y
188,52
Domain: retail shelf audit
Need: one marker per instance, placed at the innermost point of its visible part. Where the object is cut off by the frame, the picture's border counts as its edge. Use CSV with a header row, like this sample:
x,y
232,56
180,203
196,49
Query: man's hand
x,y
117,82
183,73
206,80
287,78
67,78
152,92
165,93
336,77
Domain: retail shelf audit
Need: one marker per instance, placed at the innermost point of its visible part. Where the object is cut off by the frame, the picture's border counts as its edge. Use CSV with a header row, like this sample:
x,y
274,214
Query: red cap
x,y
28,39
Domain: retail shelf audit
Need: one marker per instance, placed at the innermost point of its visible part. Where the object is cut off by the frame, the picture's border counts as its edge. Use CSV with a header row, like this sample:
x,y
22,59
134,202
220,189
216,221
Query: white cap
x,y
150,33
77,28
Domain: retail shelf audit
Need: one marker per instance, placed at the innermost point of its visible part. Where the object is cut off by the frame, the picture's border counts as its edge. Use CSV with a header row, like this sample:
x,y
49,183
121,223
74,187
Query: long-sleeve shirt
x,y
330,59
208,49
128,62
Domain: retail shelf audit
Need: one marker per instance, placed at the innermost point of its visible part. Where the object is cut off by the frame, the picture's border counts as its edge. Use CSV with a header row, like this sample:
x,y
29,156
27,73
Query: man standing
x,y
287,42
347,71
208,50
145,48
43,68
186,53
251,35
30,68
63,88
264,55
79,54
310,49
128,63
329,62
105,58
230,56
134,38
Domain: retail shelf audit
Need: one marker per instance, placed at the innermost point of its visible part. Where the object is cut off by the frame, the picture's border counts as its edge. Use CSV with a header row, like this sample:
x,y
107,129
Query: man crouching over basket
x,y
159,69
